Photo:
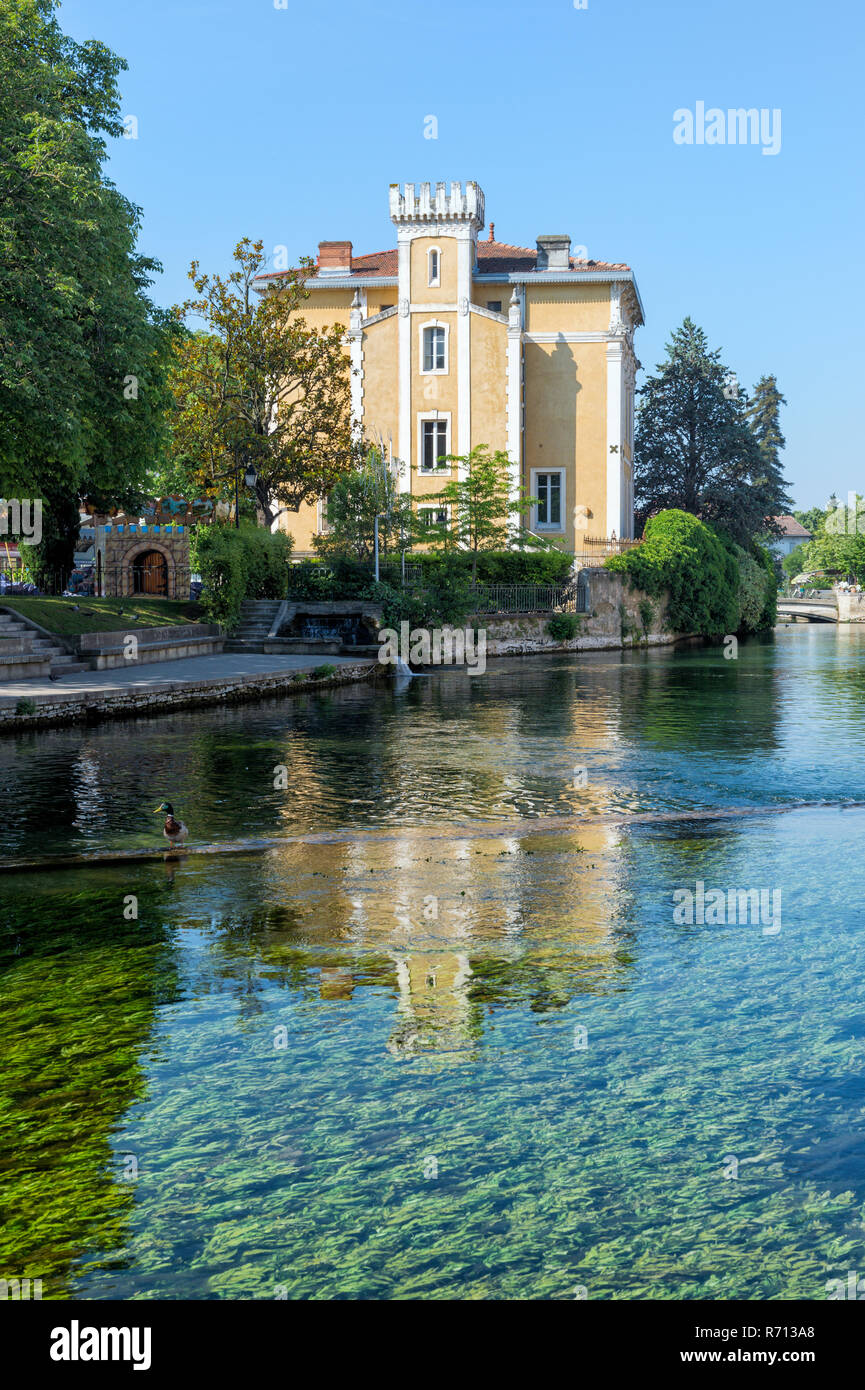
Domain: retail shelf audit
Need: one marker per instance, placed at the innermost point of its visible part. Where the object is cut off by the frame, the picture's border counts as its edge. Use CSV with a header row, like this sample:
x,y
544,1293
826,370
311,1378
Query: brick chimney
x,y
554,252
334,258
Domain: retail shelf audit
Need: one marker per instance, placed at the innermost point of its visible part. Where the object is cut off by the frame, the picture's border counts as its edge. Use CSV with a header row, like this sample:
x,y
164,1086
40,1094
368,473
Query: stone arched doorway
x,y
149,574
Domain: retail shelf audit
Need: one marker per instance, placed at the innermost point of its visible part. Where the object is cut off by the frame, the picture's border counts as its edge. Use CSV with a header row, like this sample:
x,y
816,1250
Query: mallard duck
x,y
174,830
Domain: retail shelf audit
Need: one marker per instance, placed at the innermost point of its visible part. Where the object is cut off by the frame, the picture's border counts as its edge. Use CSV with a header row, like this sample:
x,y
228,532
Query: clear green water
x,y
283,1079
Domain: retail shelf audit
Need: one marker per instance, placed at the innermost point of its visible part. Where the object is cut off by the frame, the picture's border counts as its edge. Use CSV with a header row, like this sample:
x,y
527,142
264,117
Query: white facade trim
x,y
487,313
404,353
514,400
381,315
615,441
587,337
433,308
261,285
465,265
357,315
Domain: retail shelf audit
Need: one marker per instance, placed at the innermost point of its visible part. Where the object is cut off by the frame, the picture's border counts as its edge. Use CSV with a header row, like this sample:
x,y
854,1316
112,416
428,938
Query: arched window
x,y
434,265
434,348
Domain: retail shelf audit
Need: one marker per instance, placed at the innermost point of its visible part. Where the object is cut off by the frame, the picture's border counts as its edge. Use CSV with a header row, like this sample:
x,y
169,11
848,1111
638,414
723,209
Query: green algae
x,y
303,1170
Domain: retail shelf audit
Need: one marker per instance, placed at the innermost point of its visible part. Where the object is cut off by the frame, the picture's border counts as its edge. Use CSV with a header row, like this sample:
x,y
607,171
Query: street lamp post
x,y
250,478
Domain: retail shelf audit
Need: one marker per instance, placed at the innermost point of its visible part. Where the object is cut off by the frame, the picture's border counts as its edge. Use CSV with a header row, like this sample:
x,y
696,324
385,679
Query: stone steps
x,y
43,656
257,616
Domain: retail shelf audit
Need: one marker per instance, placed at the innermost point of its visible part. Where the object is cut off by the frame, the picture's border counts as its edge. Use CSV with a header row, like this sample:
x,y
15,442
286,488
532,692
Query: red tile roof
x,y
789,526
494,258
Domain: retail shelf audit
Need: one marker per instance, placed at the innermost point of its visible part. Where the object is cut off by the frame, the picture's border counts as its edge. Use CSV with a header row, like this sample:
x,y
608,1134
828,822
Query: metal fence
x,y
531,598
150,580
594,550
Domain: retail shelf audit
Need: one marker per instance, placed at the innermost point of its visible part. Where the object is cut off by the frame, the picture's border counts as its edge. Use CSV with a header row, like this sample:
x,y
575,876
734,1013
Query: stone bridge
x,y
813,610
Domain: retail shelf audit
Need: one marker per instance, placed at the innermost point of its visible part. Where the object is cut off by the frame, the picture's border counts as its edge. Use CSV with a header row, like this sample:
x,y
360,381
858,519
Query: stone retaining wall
x,y
90,706
614,620
106,650
851,607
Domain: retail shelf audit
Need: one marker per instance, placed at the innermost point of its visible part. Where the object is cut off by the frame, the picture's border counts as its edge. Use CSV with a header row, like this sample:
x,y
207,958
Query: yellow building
x,y
457,340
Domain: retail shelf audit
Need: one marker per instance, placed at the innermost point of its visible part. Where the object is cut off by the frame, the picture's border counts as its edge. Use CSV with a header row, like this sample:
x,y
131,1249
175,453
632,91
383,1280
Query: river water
x,y
446,1034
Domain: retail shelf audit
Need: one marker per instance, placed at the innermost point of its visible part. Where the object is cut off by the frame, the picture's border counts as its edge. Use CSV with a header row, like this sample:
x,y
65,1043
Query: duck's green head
x,y
166,807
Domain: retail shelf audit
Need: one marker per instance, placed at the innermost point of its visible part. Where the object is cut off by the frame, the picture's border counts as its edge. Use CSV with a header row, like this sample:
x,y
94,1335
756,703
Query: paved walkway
x,y
166,675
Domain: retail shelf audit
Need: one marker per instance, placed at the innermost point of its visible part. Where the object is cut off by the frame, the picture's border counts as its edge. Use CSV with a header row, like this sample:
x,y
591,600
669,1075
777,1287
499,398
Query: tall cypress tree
x,y
764,417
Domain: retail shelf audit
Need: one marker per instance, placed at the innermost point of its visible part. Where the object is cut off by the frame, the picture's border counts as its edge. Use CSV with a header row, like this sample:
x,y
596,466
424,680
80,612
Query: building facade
x,y
457,341
792,535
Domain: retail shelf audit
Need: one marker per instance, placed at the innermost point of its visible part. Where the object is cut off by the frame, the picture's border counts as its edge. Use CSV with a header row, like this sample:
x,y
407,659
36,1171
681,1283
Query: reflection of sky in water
x,y
306,1029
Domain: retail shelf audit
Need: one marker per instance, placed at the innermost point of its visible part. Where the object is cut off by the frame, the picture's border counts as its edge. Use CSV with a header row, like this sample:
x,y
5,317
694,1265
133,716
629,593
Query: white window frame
x,y
434,281
434,371
439,415
423,506
324,526
555,526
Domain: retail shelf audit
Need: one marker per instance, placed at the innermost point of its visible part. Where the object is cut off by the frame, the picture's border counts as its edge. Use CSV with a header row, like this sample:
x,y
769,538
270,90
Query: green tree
x,y
370,490
260,387
483,515
694,449
846,518
813,520
763,413
83,352
796,562
840,553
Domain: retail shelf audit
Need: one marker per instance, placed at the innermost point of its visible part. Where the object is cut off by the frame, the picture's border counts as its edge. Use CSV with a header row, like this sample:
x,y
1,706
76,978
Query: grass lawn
x,y
102,614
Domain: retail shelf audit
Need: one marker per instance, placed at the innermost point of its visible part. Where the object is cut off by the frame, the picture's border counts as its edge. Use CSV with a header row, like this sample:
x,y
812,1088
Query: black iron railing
x,y
530,598
153,580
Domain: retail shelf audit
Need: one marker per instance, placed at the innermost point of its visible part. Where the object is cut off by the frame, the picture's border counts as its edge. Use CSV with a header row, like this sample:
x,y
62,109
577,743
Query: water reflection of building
x,y
435,1010
453,923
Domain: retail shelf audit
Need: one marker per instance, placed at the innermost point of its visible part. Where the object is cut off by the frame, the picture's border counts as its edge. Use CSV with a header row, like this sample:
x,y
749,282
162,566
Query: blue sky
x,y
289,124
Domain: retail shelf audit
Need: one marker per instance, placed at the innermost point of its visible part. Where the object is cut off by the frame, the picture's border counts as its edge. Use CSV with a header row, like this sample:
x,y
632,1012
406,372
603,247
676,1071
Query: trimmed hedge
x,y
503,566
342,577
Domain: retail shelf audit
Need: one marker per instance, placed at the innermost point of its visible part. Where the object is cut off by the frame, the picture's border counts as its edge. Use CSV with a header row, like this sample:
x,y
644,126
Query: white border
x,y
433,415
433,371
537,526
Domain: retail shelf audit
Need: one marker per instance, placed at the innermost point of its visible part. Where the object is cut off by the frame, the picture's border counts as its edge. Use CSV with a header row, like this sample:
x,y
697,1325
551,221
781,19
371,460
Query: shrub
x,y
500,566
563,627
647,614
265,559
443,593
238,563
321,672
716,587
752,592
768,564
398,605
24,706
683,555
